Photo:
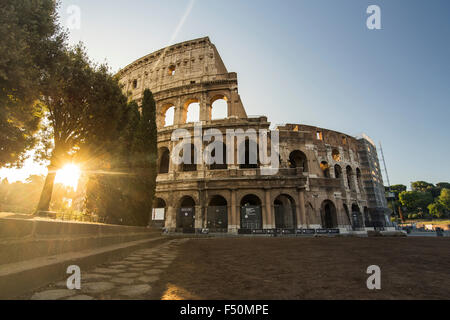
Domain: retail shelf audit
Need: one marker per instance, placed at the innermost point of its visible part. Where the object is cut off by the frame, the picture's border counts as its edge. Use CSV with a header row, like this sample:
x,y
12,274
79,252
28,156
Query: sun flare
x,y
68,176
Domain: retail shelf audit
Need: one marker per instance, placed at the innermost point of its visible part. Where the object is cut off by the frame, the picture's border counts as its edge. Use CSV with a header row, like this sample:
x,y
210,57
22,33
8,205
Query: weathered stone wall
x,y
320,169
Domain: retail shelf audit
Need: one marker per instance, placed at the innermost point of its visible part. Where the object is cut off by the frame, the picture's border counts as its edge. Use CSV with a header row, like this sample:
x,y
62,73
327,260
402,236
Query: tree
x,y
84,104
443,185
426,187
397,188
145,157
436,209
444,199
415,201
127,198
421,186
30,37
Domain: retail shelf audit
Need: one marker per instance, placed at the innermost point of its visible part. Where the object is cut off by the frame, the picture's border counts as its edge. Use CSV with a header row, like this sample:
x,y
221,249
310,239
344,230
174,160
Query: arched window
x,y
349,172
251,154
329,216
171,70
169,116
336,156
297,159
337,171
358,179
164,160
219,109
217,214
189,160
186,215
251,216
223,165
285,215
193,111
325,168
357,218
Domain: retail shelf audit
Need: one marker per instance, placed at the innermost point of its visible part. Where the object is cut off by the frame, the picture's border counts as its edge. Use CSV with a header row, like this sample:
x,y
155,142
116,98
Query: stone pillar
x,y
198,217
178,115
172,166
229,108
234,221
205,109
171,218
268,218
344,177
301,214
355,182
332,172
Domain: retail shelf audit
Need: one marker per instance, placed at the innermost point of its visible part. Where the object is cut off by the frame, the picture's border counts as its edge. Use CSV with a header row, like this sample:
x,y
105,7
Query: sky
x,y
307,61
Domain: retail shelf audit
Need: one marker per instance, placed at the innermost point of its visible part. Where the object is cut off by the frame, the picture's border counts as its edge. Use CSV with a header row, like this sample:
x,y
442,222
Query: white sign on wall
x,y
158,214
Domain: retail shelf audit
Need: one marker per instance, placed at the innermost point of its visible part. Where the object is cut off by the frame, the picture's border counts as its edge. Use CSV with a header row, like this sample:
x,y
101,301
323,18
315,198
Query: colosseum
x,y
327,182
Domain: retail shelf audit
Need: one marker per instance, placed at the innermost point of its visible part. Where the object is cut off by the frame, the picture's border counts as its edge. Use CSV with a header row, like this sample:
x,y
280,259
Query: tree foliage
x,y
84,105
126,197
30,39
441,206
416,201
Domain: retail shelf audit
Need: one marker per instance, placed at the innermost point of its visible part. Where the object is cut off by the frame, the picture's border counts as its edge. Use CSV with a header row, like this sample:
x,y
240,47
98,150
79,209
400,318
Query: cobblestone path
x,y
129,278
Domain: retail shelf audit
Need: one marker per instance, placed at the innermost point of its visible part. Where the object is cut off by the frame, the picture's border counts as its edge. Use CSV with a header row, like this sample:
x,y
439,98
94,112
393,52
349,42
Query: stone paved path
x,y
129,278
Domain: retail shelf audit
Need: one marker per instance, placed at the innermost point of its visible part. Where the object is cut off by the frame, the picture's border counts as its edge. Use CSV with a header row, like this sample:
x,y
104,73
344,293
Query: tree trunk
x,y
46,195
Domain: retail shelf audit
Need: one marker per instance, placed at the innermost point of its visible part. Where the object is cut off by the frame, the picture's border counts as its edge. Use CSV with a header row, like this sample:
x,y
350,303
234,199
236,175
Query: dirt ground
x,y
308,268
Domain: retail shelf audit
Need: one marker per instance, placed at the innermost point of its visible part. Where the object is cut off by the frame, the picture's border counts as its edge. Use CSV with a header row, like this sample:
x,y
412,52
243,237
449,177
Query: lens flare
x,y
68,176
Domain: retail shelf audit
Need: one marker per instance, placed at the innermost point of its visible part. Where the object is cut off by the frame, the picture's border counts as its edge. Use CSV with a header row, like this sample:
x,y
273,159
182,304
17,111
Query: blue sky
x,y
311,61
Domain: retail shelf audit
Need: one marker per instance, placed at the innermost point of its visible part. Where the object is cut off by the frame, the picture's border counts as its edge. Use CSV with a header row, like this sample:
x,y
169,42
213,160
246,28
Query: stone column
x,y
198,217
267,212
234,224
301,214
171,218
355,182
172,166
205,109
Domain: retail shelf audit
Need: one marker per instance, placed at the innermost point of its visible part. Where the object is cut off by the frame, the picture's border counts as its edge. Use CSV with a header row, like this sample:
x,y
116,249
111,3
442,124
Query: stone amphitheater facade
x,y
321,183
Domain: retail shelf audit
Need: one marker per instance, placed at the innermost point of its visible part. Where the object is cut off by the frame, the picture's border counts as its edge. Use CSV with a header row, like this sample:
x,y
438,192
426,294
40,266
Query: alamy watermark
x,y
374,20
241,147
73,21
374,280
74,280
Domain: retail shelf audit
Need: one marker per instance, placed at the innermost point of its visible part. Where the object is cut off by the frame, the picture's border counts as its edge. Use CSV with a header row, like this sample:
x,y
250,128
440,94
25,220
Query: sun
x,y
68,176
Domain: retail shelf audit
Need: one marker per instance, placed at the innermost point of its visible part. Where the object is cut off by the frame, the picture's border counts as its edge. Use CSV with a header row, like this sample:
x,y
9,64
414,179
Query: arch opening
x,y
192,108
164,161
336,155
285,214
251,213
188,164
217,214
251,160
358,179
329,216
186,215
297,159
223,165
169,116
349,172
325,169
337,171
219,108
357,220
